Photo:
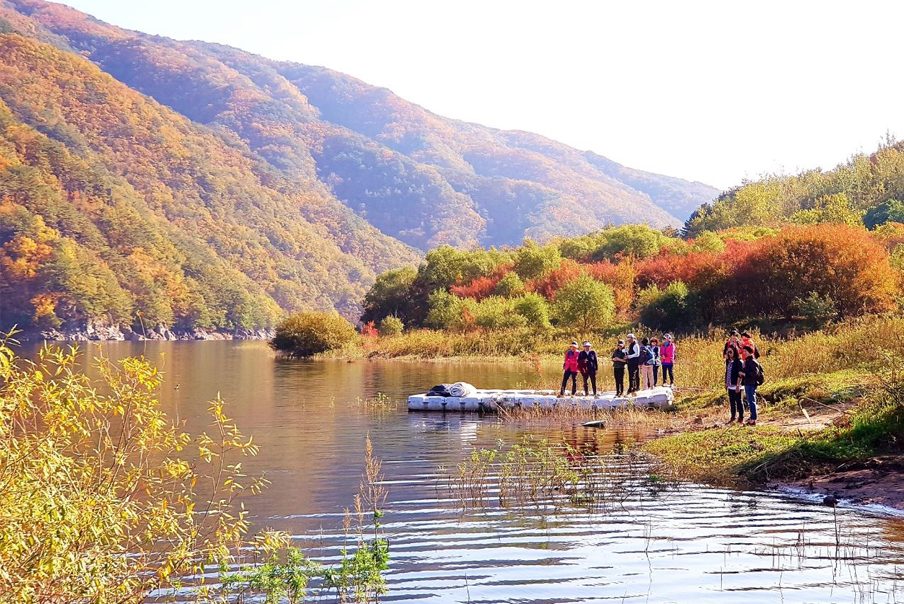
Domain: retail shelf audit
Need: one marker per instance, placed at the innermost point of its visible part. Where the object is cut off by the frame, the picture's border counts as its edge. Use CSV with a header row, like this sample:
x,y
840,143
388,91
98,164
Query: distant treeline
x,y
868,189
816,272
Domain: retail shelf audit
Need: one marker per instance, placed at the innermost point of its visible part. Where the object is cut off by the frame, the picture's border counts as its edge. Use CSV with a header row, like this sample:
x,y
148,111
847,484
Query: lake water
x,y
687,544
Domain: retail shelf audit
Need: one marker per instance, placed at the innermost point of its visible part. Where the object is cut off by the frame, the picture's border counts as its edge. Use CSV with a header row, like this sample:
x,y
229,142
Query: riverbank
x,y
839,435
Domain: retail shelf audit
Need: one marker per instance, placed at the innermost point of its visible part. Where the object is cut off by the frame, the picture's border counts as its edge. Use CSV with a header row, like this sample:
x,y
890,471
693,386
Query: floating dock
x,y
490,401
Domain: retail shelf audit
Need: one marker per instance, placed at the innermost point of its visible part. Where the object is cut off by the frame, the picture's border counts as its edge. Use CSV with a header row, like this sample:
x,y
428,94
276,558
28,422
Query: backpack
x,y
645,355
760,375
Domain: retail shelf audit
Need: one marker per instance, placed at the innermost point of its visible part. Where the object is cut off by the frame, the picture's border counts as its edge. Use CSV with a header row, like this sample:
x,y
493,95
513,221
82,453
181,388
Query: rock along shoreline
x,y
93,332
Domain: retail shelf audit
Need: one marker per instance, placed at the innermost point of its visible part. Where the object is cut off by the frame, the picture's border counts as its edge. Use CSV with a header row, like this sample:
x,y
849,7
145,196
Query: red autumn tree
x,y
843,263
547,286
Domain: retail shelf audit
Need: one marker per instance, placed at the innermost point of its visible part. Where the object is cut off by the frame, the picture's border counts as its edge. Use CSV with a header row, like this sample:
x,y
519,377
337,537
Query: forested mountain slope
x,y
112,204
422,178
148,180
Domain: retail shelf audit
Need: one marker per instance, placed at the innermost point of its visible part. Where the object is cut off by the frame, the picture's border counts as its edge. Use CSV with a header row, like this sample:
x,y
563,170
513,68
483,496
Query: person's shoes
x,y
740,420
731,421
751,422
560,395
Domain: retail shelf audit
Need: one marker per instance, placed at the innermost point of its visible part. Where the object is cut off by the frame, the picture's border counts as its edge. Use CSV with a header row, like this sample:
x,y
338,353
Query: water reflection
x,y
694,544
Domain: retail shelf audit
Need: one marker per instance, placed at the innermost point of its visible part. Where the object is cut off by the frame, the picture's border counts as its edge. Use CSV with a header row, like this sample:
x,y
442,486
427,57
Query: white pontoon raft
x,y
490,401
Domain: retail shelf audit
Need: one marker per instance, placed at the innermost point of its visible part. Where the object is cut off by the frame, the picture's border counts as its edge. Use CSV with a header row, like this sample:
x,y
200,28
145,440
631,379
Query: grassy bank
x,y
833,400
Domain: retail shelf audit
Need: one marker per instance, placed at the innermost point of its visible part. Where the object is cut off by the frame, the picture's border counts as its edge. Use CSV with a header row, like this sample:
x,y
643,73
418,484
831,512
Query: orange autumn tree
x,y
841,263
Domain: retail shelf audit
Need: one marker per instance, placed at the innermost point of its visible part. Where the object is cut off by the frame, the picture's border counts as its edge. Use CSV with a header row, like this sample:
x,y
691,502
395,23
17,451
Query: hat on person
x,y
587,344
735,333
631,335
668,335
574,343
622,342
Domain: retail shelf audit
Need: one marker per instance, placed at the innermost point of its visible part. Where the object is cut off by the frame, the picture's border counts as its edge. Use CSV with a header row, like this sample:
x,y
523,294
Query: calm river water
x,y
688,545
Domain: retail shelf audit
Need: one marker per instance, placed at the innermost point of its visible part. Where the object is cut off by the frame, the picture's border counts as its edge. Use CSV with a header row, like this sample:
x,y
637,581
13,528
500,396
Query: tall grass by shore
x,y
858,343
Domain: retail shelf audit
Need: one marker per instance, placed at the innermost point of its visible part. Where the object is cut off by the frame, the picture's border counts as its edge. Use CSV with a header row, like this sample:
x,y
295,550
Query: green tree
x,y
391,326
496,312
889,211
534,308
445,310
533,261
585,303
664,309
510,285
390,295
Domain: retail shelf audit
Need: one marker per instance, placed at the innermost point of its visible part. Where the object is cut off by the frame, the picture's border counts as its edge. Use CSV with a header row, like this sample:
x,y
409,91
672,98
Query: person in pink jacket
x,y
667,356
571,369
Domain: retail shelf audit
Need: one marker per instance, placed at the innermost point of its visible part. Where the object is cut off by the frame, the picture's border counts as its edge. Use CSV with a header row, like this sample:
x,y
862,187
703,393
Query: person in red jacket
x,y
571,369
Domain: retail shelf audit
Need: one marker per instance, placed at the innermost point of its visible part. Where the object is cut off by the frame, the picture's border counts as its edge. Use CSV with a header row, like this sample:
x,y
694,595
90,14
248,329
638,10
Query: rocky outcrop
x,y
99,331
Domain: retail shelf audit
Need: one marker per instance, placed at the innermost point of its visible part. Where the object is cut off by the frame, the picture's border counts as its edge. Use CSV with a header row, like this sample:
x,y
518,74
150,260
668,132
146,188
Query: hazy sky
x,y
714,92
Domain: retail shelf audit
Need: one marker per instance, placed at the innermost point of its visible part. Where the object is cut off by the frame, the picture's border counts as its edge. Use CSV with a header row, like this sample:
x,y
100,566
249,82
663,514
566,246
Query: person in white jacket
x,y
633,349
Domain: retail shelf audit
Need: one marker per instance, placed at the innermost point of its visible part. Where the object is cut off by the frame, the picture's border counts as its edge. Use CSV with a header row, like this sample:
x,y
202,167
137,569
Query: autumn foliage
x,y
843,263
820,271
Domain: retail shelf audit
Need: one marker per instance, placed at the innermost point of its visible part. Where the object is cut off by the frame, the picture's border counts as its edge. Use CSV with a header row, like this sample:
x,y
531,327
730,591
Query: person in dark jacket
x,y
588,365
619,362
733,367
570,366
749,374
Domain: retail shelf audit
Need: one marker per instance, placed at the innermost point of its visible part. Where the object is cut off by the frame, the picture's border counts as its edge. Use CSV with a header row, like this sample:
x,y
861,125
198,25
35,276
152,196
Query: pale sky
x,y
715,92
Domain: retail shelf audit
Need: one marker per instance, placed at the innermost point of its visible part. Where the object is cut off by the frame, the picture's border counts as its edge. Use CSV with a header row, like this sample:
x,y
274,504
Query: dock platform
x,y
490,401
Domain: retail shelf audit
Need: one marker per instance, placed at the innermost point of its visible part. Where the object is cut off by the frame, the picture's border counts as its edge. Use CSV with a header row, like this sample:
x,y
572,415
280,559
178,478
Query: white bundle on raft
x,y
462,389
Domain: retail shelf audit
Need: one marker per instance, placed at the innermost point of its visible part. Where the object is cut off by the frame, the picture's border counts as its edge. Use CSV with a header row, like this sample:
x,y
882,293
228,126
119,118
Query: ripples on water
x,y
689,544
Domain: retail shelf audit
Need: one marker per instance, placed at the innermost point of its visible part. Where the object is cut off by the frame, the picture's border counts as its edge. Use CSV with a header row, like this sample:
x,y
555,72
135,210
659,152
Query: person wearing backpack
x,y
633,365
588,366
657,360
646,364
752,375
570,366
667,356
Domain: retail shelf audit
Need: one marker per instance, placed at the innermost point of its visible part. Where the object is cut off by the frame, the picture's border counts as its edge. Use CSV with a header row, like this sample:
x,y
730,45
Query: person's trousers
x,y
592,376
750,391
619,380
656,374
667,370
574,382
646,372
735,404
633,377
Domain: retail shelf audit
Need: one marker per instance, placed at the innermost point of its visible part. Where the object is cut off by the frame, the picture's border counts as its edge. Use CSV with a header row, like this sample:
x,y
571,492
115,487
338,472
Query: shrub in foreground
x,y
103,498
309,333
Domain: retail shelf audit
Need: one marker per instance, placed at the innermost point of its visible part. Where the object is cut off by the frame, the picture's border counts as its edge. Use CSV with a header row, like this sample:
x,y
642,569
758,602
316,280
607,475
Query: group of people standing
x,y
743,373
642,360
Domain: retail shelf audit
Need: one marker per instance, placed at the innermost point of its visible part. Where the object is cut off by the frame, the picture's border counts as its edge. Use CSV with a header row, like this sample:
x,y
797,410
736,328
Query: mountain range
x,y
202,185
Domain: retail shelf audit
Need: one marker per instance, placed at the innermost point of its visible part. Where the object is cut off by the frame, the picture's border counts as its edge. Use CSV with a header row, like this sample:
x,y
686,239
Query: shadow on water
x,y
688,544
